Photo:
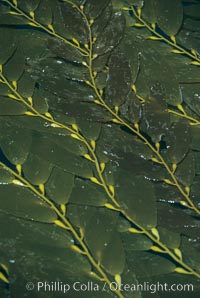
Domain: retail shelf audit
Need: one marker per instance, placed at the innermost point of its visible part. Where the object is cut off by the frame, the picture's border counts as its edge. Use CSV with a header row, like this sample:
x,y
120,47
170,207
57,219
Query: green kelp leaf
x,y
62,50
59,186
8,44
123,225
74,72
117,4
36,48
169,238
139,48
177,220
167,194
136,242
102,222
131,109
129,46
107,247
93,8
178,140
80,216
189,38
191,24
52,153
101,22
3,8
70,144
77,2
14,67
138,3
190,93
24,203
26,85
39,101
191,252
119,79
158,93
100,79
112,34
36,170
169,15
40,248
100,63
89,129
58,23
109,172
134,193
113,256
80,110
16,144
4,89
195,190
140,166
49,68
37,124
5,176
156,120
74,23
11,107
186,75
28,6
8,19
130,21
43,13
85,193
153,73
121,3
185,172
149,11
121,144
195,132
197,162
59,67
54,236
61,85
192,10
146,264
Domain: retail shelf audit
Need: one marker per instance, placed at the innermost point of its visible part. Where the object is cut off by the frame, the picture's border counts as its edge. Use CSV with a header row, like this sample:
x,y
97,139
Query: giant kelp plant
x,y
100,146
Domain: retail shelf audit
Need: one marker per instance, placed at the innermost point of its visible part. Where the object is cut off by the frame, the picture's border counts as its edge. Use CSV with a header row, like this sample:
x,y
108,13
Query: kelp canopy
x,y
100,146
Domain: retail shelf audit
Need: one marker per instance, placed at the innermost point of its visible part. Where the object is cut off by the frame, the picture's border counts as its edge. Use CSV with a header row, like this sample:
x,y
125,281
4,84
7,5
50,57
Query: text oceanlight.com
x,y
58,286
